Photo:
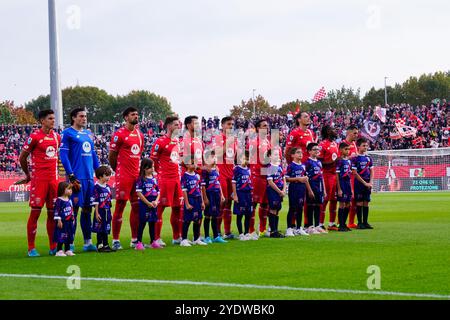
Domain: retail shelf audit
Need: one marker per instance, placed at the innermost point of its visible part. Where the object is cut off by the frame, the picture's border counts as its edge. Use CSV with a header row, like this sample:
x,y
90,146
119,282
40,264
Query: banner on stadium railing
x,y
7,185
412,178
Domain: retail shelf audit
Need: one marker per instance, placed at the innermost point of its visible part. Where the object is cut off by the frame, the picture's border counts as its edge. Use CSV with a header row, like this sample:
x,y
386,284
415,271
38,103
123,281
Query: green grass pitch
x,y
410,244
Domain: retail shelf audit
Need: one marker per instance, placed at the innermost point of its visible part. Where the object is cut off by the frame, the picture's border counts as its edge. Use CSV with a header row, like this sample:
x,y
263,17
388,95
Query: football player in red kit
x,y
125,151
300,137
259,147
166,157
225,147
350,139
43,146
328,155
191,147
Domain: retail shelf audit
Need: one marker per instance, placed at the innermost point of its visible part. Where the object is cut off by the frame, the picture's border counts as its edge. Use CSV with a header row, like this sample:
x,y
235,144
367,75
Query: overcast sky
x,y
207,55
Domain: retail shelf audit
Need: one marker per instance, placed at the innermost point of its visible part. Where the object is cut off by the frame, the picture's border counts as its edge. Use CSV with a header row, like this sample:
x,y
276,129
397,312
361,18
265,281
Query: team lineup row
x,y
198,189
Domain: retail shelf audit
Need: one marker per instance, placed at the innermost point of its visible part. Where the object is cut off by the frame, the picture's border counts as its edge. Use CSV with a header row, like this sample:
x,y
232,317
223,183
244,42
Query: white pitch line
x,y
232,285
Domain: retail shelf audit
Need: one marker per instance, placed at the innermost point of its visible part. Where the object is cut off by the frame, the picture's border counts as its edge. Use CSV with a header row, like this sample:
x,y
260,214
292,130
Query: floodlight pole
x,y
385,92
55,86
254,105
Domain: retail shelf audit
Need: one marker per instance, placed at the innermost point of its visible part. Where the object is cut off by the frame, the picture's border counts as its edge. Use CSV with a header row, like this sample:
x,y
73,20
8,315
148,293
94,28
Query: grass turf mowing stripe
x,y
233,285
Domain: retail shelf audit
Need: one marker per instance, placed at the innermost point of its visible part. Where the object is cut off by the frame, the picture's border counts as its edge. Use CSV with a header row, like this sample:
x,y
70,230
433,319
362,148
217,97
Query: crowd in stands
x,y
433,130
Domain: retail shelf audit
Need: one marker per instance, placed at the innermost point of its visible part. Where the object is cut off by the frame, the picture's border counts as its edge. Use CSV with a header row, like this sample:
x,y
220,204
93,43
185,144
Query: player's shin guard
x,y
85,222
227,220
252,220
239,223
206,224
352,212
298,217
290,217
159,223
333,206
134,219
323,208
32,227
197,227
117,218
309,216
365,214
316,215
359,213
175,218
262,213
247,223
51,228
214,227
341,220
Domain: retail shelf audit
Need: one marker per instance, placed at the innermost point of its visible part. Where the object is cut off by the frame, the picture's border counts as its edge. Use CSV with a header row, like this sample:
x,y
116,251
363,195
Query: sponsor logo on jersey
x,y
116,138
157,147
50,152
29,140
174,156
135,149
334,156
86,147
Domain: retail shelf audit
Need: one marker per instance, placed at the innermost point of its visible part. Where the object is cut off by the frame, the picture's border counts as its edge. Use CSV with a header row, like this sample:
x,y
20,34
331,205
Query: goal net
x,y
411,170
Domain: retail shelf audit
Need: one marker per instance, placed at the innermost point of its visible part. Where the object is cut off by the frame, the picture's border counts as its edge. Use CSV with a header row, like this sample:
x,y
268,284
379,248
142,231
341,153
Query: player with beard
x,y
350,139
225,147
43,146
80,160
166,158
125,151
300,137
328,155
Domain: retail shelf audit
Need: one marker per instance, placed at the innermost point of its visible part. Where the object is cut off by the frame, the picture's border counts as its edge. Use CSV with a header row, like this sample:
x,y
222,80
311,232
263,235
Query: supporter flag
x,y
371,130
403,129
419,122
381,113
395,135
321,94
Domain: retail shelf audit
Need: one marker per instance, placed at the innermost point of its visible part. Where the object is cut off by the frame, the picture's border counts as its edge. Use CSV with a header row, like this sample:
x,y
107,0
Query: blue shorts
x,y
147,213
346,191
245,205
296,195
274,199
105,225
318,197
64,235
213,210
195,213
83,199
362,193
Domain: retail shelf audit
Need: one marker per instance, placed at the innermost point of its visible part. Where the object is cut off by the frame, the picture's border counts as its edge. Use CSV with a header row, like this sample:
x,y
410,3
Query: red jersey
x,y
192,146
129,146
329,152
299,138
44,154
225,152
166,157
258,156
353,149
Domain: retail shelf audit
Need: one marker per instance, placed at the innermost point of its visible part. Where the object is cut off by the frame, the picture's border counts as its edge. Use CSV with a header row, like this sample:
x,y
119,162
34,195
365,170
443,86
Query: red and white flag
x,y
319,95
403,129
381,113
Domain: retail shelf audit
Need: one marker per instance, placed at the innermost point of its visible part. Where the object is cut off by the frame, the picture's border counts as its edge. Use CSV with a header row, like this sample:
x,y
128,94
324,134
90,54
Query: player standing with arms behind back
x,y
166,159
43,146
328,155
125,152
225,150
79,159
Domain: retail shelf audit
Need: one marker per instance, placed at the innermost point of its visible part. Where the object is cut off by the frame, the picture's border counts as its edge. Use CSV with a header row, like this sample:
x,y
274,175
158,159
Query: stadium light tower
x,y
254,105
55,87
385,92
